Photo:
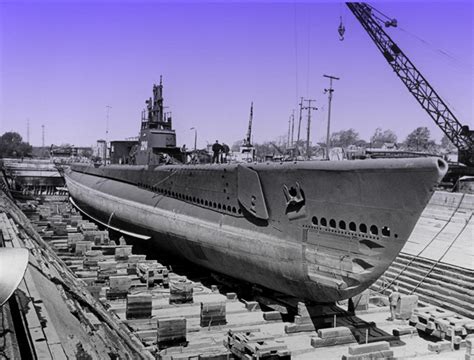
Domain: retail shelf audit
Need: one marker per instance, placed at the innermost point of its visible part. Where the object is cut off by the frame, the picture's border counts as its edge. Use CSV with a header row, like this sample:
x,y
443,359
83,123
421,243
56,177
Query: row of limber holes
x,y
193,199
323,222
374,230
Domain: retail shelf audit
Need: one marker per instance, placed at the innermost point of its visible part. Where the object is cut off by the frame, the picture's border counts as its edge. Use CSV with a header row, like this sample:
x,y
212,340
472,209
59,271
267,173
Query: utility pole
x,y
42,141
108,107
195,138
28,130
329,91
299,121
248,138
292,126
308,127
289,132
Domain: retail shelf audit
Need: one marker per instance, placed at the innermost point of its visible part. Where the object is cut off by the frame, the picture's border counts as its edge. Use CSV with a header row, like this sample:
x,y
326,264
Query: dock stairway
x,y
436,283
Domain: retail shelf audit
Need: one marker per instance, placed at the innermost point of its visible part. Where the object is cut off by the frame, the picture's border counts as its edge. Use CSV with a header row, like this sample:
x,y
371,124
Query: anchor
x,y
295,201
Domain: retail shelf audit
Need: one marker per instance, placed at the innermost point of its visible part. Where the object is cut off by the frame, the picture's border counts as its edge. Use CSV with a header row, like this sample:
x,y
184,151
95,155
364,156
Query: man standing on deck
x,y
225,153
216,149
393,301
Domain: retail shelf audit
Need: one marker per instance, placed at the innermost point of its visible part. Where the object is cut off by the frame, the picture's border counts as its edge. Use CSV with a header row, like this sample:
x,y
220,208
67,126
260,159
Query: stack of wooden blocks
x,y
405,306
106,269
441,323
58,228
132,262
181,291
92,258
469,348
171,332
123,252
213,314
152,272
333,336
119,286
303,321
248,345
73,239
82,247
139,306
376,350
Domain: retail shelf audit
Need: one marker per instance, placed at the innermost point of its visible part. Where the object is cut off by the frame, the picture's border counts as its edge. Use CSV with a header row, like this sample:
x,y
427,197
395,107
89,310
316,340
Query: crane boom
x,y
419,87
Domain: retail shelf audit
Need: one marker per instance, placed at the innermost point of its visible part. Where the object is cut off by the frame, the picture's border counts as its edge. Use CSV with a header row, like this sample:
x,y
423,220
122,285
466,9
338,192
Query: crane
x,y
460,135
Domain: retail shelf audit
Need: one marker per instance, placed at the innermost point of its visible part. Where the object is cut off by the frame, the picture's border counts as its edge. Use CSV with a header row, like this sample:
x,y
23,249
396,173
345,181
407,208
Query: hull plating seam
x,y
124,232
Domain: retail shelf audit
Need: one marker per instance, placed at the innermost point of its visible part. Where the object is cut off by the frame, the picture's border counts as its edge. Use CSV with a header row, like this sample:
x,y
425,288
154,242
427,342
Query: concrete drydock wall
x,y
445,230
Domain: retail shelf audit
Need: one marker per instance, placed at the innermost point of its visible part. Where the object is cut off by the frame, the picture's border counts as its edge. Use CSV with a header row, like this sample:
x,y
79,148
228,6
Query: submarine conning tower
x,y
157,139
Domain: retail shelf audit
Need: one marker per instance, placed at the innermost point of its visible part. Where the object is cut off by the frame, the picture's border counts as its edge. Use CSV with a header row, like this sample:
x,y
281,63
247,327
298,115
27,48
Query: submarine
x,y
322,231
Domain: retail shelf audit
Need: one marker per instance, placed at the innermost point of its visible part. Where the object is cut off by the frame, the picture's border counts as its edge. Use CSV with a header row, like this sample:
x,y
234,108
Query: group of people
x,y
220,152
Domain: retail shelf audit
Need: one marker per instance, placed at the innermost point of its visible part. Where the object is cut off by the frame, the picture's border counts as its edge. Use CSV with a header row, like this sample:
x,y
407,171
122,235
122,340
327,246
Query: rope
x,y
443,53
424,248
442,256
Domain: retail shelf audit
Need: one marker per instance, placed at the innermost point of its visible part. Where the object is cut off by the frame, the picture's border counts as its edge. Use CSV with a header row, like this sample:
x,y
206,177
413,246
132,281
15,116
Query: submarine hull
x,y
320,231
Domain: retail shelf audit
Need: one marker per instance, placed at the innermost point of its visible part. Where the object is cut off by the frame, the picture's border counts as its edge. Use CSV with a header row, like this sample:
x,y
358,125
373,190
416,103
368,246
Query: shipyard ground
x,y
65,308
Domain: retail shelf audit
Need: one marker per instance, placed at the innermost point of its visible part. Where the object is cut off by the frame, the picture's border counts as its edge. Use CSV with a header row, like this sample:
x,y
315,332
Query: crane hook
x,y
341,30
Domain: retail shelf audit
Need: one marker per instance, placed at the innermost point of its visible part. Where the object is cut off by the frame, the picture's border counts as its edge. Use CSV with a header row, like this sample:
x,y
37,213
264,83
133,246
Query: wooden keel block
x,y
406,306
171,332
123,252
384,354
218,355
470,345
231,296
295,328
443,345
120,283
405,330
334,332
213,314
271,315
469,327
251,305
181,292
317,342
82,247
368,348
139,306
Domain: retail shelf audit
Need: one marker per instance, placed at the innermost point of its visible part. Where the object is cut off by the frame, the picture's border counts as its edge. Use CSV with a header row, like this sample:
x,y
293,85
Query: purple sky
x,y
61,63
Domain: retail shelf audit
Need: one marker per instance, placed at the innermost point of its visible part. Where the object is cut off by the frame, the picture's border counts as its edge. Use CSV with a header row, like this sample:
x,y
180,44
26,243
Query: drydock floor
x,y
73,302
